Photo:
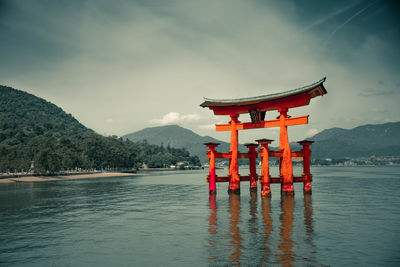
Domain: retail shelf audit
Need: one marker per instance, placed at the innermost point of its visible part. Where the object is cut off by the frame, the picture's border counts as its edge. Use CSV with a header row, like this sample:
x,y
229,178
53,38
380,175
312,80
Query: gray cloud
x,y
352,17
376,92
133,61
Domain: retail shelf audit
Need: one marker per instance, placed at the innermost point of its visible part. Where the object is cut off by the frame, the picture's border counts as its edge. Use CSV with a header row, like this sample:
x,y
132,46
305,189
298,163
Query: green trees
x,y
51,154
34,129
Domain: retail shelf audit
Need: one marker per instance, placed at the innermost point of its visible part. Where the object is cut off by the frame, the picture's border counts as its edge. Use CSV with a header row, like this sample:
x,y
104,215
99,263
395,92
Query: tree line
x,y
51,155
35,130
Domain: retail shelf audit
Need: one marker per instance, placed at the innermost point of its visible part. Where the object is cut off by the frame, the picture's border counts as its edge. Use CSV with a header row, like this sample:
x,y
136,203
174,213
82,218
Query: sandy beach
x,y
66,177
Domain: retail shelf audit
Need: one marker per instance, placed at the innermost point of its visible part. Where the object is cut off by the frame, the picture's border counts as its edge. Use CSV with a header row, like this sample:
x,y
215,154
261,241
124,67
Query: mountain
x,y
33,129
23,116
361,141
177,136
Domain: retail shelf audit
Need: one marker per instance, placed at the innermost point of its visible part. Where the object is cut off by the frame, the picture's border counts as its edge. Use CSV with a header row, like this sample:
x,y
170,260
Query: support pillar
x,y
252,166
212,176
306,165
265,180
234,180
285,162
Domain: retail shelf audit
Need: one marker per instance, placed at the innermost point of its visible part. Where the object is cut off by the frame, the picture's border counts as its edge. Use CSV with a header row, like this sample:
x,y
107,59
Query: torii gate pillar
x,y
265,176
212,176
234,179
285,161
306,165
252,166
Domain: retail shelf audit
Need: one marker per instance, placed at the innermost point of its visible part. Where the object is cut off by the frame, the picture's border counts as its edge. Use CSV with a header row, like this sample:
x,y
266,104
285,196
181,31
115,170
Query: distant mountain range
x,y
179,137
362,141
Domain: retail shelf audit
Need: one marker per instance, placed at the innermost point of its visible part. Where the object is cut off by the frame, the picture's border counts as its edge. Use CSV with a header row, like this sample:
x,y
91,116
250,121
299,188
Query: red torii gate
x,y
257,107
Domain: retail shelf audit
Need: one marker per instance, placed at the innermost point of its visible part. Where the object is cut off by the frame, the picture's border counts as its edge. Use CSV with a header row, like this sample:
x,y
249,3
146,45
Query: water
x,y
352,219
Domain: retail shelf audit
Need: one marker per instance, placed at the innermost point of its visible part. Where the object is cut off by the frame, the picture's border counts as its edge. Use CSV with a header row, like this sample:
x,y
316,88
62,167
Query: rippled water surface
x,y
352,219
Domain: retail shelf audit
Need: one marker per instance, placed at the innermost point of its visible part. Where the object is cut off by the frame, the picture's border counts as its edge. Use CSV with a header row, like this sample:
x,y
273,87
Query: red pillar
x,y
212,176
306,165
252,166
265,180
234,181
286,168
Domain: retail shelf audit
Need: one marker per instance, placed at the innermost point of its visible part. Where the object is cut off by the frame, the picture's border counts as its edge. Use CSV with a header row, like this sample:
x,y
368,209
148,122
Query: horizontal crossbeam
x,y
263,124
277,154
226,155
271,153
273,180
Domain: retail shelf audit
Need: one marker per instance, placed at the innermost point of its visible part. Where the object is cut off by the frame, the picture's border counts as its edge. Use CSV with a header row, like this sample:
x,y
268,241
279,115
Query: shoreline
x,y
25,179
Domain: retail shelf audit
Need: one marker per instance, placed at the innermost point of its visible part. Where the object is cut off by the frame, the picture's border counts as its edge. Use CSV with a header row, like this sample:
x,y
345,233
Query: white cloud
x,y
175,117
109,120
207,126
191,117
172,117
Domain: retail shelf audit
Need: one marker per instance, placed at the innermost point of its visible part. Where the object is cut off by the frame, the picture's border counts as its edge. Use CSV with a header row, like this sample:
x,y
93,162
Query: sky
x,y
121,66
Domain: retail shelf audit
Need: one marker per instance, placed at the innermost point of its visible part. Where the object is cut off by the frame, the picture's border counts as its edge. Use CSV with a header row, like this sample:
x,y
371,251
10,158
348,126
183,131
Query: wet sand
x,y
66,177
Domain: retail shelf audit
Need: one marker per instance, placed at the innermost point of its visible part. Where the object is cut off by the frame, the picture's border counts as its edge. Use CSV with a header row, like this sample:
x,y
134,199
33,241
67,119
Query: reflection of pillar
x,y
252,166
212,229
286,168
253,235
287,256
265,180
211,176
308,216
266,212
236,239
253,213
308,222
306,165
234,181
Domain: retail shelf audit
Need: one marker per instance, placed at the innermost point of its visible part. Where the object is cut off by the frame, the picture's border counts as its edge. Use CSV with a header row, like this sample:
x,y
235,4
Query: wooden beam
x,y
263,124
222,179
243,155
218,155
271,153
226,155
298,154
273,180
275,154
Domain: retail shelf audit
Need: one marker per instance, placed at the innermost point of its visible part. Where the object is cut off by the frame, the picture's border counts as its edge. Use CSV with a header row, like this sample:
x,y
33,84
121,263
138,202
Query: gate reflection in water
x,y
261,236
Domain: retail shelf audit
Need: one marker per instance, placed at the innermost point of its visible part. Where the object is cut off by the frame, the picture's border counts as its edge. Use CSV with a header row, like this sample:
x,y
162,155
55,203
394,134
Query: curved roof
x,y
312,90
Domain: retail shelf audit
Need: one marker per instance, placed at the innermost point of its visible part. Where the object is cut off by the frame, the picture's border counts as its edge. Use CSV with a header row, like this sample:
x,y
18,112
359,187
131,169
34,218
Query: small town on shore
x,y
79,173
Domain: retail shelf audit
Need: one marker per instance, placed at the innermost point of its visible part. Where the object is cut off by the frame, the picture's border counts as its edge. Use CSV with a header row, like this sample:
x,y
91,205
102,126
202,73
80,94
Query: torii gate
x,y
257,107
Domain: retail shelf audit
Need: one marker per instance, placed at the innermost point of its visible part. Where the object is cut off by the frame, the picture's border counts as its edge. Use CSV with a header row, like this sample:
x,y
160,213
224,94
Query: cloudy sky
x,y
120,66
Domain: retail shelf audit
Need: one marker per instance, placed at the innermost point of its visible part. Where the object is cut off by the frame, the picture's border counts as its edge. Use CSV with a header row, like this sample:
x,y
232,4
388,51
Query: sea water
x,y
168,219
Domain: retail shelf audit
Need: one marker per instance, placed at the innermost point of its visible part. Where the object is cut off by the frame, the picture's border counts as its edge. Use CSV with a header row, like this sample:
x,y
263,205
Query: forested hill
x,y
24,116
32,128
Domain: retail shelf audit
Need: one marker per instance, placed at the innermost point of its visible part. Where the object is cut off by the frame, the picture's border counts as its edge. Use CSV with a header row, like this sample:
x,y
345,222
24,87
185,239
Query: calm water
x,y
352,219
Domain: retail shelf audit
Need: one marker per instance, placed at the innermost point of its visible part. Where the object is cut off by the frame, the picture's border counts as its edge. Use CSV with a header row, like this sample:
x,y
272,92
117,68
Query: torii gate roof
x,y
288,99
